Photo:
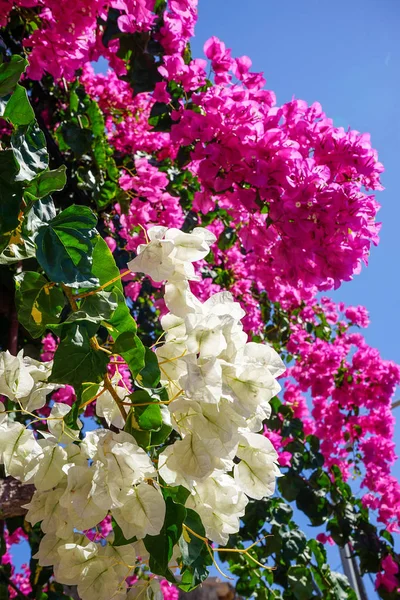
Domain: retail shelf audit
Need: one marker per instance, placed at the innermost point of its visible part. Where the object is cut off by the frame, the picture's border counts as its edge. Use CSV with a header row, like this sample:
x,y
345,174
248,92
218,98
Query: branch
x,y
9,582
13,495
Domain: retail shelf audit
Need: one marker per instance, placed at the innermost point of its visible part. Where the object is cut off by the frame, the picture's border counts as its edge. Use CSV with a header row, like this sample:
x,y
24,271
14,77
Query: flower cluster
x,y
218,387
351,389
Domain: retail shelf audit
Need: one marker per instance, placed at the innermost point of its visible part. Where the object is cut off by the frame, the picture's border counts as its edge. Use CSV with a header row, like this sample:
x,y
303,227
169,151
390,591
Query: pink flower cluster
x,y
19,579
68,33
351,389
310,176
388,578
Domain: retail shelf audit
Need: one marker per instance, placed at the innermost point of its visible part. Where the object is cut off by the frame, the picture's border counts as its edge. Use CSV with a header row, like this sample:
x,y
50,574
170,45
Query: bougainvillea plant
x,y
172,380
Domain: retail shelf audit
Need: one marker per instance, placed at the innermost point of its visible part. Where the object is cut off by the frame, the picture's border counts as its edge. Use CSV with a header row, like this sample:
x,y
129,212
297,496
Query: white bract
x,y
24,380
219,387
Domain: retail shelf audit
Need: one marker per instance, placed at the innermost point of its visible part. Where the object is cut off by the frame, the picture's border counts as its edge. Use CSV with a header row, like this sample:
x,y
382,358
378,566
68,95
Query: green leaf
x,y
129,346
76,138
4,595
161,546
147,417
29,146
190,545
11,193
293,543
227,238
341,587
290,486
300,582
65,246
142,437
48,182
159,437
100,306
119,538
38,302
75,361
21,245
93,309
10,73
177,493
196,573
149,376
105,269
319,552
71,418
88,391
18,109
314,504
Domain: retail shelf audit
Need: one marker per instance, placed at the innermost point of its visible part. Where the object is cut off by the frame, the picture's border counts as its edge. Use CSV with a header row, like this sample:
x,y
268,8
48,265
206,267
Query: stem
x,y
70,296
105,285
108,386
13,331
15,588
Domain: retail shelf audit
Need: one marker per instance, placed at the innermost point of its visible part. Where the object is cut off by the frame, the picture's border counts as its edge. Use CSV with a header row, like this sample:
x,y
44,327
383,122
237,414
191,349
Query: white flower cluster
x,y
77,486
219,385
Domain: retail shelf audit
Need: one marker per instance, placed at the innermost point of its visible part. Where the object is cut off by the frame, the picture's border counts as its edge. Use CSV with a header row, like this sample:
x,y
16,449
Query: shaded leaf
x,y
48,182
105,269
38,302
65,246
147,417
29,146
190,545
10,73
129,346
150,375
76,361
18,109
11,193
161,546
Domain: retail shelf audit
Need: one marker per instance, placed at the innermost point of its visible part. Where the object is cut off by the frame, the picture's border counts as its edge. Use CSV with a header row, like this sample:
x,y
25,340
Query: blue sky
x,y
345,55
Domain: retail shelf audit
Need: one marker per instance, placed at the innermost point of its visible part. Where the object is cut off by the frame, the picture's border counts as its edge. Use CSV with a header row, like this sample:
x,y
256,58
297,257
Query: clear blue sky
x,y
346,55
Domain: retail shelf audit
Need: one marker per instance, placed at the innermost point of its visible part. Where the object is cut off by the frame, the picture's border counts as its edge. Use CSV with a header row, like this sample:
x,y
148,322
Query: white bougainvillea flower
x,y
58,427
257,471
180,300
220,505
171,358
15,380
17,448
219,387
78,499
40,372
203,381
98,571
3,414
107,408
171,252
45,469
47,554
251,386
143,512
46,507
24,380
265,356
74,558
